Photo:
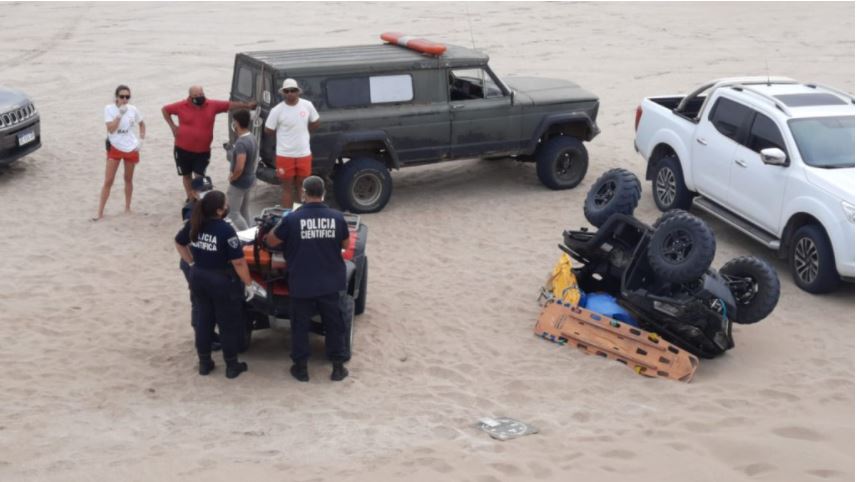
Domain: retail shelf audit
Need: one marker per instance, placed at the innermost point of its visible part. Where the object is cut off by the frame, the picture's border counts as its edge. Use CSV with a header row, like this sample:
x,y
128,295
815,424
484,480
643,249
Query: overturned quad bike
x,y
270,306
661,273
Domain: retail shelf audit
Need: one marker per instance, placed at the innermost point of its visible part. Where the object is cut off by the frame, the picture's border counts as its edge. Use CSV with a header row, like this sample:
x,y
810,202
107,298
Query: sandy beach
x,y
98,378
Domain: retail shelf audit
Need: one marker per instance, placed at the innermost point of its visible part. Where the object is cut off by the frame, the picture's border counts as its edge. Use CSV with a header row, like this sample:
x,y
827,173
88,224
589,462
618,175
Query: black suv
x,y
20,132
385,106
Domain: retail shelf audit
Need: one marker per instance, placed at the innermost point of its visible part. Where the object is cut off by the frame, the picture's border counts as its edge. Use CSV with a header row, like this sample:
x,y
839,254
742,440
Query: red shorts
x,y
291,167
117,155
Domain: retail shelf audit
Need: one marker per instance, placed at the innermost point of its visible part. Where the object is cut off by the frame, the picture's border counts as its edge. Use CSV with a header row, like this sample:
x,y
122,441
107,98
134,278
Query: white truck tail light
x,y
637,117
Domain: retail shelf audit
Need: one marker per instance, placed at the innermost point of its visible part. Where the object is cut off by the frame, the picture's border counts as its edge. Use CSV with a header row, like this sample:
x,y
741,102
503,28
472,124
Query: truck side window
x,y
244,86
364,91
765,134
469,84
728,117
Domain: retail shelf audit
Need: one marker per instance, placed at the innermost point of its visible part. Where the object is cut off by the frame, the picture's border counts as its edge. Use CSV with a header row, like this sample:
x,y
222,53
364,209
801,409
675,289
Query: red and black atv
x,y
269,307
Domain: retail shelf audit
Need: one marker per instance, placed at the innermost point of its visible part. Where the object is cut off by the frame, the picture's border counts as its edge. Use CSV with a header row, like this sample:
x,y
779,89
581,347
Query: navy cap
x,y
201,184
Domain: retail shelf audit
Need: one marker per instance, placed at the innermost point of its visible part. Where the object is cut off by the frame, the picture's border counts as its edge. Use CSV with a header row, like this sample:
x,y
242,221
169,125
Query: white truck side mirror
x,y
773,156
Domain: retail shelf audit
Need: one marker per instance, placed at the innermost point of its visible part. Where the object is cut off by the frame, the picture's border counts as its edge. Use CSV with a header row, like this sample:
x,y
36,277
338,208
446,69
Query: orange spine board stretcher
x,y
596,334
418,44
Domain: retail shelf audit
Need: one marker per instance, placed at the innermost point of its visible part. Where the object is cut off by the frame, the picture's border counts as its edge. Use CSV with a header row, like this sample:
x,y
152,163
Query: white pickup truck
x,y
770,156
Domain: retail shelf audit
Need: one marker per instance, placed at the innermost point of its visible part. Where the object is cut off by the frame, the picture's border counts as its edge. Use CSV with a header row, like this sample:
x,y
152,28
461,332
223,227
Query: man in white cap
x,y
292,120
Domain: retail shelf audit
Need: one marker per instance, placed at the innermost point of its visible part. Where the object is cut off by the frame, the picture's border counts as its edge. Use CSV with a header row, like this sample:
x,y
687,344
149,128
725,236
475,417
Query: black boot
x,y
339,372
206,364
299,371
235,368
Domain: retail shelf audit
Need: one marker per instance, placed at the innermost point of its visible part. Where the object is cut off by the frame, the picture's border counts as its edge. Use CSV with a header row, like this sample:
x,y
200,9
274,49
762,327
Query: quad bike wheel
x,y
682,248
755,285
561,162
617,191
346,305
360,301
665,216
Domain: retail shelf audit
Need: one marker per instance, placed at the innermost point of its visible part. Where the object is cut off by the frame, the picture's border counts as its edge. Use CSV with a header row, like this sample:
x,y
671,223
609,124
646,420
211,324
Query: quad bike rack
x,y
595,334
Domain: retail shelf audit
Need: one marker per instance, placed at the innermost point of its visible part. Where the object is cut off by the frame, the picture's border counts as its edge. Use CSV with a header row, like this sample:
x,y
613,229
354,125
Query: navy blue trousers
x,y
328,307
219,300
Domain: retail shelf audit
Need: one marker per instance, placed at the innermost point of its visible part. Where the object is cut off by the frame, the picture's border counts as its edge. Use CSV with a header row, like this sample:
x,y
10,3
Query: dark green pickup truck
x,y
384,107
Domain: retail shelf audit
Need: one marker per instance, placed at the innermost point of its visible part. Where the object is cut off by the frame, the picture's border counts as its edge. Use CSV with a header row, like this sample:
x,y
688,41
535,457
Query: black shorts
x,y
191,162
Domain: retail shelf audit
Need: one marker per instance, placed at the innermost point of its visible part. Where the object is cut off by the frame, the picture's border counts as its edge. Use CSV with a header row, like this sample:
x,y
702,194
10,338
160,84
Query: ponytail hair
x,y
205,209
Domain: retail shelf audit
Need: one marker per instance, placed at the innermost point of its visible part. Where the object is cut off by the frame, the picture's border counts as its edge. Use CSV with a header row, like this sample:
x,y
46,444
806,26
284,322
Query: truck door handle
x,y
457,106
702,141
740,163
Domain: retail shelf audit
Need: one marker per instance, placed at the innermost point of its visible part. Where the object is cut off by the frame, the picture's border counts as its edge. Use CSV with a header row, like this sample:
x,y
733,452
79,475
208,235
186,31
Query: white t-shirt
x,y
123,137
290,122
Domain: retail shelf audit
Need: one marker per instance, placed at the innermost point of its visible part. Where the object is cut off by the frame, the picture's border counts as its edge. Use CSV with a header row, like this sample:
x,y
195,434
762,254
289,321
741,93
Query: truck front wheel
x,y
561,162
668,185
363,185
811,260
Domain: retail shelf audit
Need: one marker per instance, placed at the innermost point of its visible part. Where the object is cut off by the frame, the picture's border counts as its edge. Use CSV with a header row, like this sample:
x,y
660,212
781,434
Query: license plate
x,y
26,137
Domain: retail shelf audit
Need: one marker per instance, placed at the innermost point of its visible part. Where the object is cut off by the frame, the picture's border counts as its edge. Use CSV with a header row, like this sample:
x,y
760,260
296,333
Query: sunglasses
x,y
291,91
125,96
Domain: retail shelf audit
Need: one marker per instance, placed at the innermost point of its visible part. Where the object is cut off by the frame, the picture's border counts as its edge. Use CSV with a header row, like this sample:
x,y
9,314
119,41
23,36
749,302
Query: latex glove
x,y
252,290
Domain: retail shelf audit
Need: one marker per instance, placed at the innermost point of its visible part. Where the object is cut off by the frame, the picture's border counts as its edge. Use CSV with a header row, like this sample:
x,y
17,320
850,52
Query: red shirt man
x,y
195,131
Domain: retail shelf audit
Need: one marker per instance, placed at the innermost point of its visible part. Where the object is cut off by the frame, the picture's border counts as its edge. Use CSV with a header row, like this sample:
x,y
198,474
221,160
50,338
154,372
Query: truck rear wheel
x,y
682,248
617,191
561,162
811,260
755,285
668,185
363,185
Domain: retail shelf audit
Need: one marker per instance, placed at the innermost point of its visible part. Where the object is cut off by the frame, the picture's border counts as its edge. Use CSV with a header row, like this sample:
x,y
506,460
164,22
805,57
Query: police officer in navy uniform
x,y
219,279
200,186
314,237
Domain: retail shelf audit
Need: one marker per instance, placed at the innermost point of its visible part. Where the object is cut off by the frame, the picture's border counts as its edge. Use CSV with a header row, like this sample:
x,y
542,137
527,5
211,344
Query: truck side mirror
x,y
512,96
773,156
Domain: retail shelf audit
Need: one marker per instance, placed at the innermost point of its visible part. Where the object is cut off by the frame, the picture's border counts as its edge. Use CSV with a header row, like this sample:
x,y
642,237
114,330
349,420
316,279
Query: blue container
x,y
606,305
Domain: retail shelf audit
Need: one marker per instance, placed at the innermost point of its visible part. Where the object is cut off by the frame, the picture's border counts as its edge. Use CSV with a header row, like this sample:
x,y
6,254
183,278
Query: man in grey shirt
x,y
242,171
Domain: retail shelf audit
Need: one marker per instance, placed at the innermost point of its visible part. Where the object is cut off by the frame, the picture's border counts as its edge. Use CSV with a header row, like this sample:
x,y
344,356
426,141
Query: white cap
x,y
290,84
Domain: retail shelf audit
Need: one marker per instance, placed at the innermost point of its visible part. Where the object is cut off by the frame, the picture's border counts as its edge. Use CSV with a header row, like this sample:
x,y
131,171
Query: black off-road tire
x,y
617,191
755,285
666,215
811,260
346,305
561,162
681,248
363,185
668,186
360,301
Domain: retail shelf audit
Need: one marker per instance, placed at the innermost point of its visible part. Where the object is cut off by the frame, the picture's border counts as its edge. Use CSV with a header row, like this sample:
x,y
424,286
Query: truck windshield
x,y
826,142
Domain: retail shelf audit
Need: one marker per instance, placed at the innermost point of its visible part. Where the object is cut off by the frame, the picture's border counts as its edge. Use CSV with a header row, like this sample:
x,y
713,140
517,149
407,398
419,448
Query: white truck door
x,y
714,145
758,188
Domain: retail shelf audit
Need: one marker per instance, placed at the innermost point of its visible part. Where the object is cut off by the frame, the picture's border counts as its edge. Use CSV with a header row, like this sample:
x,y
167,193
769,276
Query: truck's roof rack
x,y
777,102
732,82
837,92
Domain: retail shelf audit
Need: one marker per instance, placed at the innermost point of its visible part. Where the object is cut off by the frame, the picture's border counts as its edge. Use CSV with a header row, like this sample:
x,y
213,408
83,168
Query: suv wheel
x,y
360,302
363,185
681,248
668,185
617,191
561,162
755,285
811,260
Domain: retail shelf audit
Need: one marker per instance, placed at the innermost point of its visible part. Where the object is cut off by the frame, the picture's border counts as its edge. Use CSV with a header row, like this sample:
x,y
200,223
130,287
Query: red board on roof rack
x,y
413,43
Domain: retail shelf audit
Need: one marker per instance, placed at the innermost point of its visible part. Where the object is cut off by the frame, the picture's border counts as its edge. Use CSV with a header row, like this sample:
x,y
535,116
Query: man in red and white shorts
x,y
292,120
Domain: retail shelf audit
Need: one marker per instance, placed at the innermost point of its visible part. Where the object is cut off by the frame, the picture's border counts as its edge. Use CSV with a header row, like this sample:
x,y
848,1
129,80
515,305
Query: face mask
x,y
198,100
